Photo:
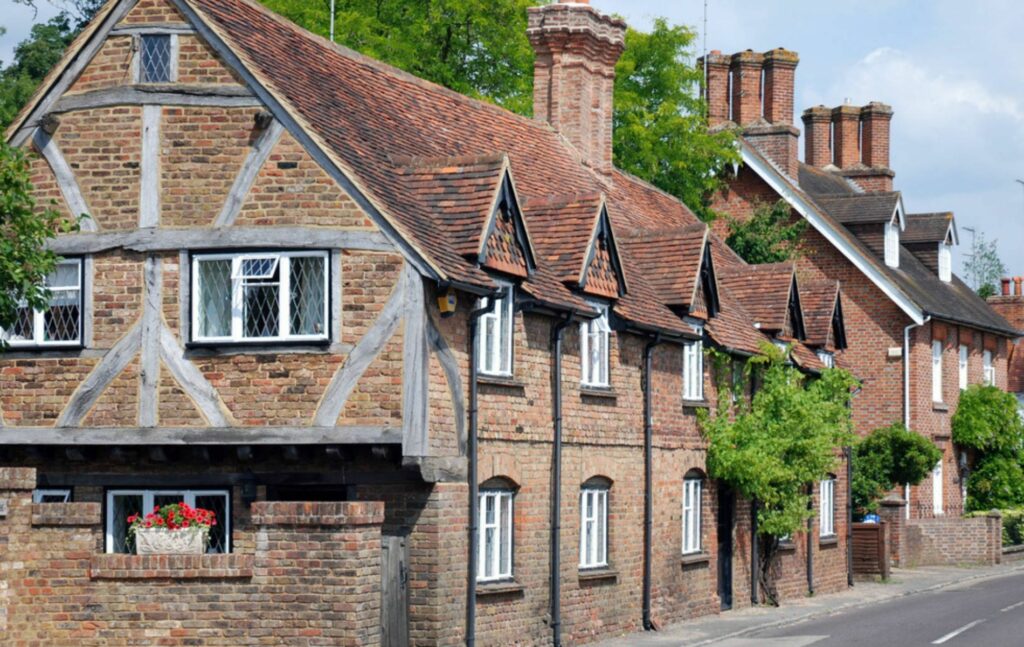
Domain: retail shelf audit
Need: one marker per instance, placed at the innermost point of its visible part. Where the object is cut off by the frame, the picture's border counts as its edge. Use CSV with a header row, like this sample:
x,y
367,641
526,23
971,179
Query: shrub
x,y
996,483
888,457
986,420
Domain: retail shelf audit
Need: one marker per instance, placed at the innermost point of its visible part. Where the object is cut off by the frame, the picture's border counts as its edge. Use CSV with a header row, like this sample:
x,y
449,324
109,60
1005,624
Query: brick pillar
x,y
817,136
16,485
717,87
846,136
892,510
746,87
994,524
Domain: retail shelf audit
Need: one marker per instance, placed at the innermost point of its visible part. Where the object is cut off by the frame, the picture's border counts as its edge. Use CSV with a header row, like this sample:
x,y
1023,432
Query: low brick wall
x,y
948,541
313,578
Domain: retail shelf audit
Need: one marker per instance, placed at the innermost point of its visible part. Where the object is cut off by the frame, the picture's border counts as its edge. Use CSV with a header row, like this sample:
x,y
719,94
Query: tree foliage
x,y
770,235
33,59
786,440
888,457
986,423
24,260
983,267
996,483
661,131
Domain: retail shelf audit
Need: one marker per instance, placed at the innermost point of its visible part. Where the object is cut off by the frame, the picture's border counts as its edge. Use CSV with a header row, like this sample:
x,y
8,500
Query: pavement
x,y
769,626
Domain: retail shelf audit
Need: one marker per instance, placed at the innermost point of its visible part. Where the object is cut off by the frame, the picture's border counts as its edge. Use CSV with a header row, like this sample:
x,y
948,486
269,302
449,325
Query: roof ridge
x,y
561,199
641,235
412,162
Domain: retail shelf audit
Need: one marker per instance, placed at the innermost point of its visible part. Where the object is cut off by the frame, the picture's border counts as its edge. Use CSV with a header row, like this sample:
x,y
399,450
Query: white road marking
x,y
954,634
1012,606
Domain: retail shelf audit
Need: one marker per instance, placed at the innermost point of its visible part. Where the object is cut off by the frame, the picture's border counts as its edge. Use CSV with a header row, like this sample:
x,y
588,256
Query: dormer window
x,y
158,58
892,243
827,358
945,261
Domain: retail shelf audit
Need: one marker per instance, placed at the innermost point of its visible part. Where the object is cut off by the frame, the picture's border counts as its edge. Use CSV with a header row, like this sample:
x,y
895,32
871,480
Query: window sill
x,y
940,406
826,542
170,567
507,587
600,574
500,380
251,345
200,350
787,546
55,352
603,392
695,559
696,404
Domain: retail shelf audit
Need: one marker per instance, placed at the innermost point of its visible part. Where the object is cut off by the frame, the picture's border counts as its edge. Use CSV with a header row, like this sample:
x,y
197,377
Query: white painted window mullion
x,y
284,324
236,299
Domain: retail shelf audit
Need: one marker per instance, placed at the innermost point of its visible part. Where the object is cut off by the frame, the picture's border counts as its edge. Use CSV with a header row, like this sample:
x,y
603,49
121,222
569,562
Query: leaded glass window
x,y
60,322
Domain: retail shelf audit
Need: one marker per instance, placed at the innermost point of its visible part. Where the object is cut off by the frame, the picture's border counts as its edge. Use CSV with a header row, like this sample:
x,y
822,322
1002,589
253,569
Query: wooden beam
x,y
149,191
192,381
257,157
152,239
149,368
71,73
415,368
453,377
345,379
183,436
89,391
156,28
65,178
215,96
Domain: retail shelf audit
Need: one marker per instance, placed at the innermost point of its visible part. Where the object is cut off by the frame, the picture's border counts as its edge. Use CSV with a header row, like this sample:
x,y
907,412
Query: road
x,y
988,613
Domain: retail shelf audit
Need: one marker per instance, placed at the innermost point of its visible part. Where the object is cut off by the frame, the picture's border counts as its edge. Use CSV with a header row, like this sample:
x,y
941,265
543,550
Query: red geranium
x,y
174,516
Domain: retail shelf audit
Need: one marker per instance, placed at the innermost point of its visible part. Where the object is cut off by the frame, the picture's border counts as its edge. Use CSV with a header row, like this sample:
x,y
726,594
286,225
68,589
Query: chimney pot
x,y
1006,287
846,136
817,139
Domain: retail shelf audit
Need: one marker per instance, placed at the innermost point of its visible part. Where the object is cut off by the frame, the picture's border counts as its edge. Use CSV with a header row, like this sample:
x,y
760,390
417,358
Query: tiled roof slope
x,y
818,300
926,227
564,226
670,260
763,290
861,207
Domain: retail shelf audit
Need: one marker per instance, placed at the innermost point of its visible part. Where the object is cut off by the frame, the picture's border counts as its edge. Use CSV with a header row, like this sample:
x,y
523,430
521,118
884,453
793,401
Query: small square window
x,y
156,58
827,358
52,495
60,323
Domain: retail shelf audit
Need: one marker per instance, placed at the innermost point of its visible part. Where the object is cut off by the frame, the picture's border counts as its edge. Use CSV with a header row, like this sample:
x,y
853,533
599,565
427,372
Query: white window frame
x,y
988,369
963,364
498,361
693,490
594,372
497,569
827,505
593,517
62,493
892,243
148,496
39,316
693,371
173,56
937,503
937,370
827,358
237,297
945,262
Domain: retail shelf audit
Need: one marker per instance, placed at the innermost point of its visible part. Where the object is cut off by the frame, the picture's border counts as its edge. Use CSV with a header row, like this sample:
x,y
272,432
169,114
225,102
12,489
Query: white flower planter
x,y
161,541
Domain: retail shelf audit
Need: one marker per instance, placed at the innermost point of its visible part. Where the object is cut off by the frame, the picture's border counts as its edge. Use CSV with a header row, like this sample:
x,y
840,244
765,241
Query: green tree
x,y
983,267
987,425
33,59
661,132
24,260
888,457
770,235
996,483
773,450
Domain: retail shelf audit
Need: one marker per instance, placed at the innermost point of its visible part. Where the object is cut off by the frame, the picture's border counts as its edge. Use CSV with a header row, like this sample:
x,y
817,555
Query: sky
x,y
952,71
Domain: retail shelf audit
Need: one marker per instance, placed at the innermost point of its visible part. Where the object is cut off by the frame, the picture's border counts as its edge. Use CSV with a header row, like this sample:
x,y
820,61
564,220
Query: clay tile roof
x,y
564,226
731,327
926,227
861,207
670,260
818,300
805,357
764,291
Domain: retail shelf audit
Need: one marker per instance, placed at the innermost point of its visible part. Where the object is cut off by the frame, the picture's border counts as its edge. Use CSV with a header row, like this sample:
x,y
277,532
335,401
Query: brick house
x,y
1010,303
917,334
435,366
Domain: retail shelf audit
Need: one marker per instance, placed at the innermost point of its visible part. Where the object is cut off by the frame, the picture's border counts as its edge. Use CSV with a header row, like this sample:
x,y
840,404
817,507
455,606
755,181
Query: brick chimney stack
x,y
1010,301
576,50
818,136
853,141
755,92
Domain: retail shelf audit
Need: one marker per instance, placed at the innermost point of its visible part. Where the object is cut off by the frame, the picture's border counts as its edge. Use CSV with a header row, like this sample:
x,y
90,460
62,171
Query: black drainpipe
x,y
810,541
648,480
754,598
474,486
848,454
556,482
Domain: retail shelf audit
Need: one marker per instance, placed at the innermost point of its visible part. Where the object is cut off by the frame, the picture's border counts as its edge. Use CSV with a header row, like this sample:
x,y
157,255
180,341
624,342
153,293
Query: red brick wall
x,y
954,541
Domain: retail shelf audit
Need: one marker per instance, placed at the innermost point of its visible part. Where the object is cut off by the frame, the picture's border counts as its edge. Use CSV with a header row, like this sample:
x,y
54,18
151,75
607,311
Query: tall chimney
x,y
818,136
717,86
846,136
746,87
779,84
876,174
576,50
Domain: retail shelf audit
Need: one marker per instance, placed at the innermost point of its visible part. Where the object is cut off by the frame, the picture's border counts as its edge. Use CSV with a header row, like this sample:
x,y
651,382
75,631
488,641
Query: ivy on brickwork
x,y
774,448
888,457
771,235
986,424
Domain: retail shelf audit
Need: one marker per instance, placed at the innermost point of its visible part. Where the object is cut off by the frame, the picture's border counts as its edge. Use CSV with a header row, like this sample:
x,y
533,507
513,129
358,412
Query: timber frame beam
x,y
136,436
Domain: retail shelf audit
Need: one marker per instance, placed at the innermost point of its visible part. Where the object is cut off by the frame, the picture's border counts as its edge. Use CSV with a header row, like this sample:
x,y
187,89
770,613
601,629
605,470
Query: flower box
x,y
162,541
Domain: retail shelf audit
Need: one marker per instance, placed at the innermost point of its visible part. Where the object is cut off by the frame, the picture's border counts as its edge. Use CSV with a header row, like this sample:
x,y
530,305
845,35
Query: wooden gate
x,y
394,608
871,549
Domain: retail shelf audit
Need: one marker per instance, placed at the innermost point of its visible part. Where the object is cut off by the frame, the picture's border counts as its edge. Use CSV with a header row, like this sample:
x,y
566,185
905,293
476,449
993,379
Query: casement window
x,y
157,58
945,262
962,366
827,502
892,243
937,507
494,336
264,297
594,525
692,490
122,504
595,335
937,371
693,371
827,358
60,322
494,555
51,495
988,371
